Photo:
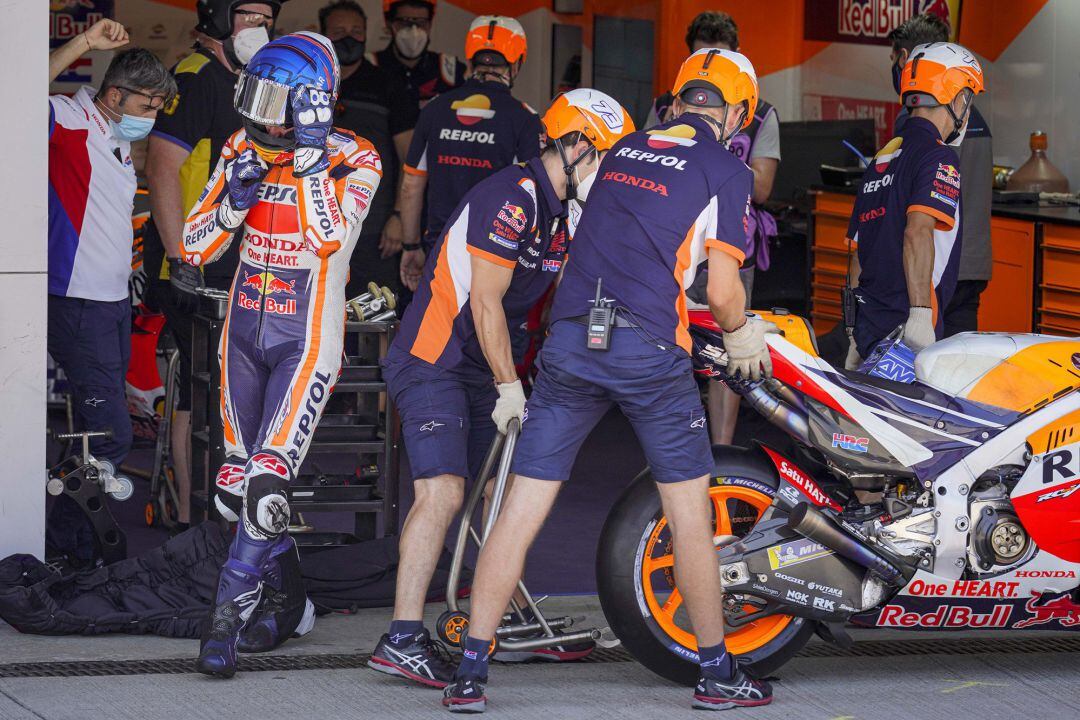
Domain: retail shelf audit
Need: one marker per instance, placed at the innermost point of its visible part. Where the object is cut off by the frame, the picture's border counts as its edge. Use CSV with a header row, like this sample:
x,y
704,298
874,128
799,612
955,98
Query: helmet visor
x,y
261,100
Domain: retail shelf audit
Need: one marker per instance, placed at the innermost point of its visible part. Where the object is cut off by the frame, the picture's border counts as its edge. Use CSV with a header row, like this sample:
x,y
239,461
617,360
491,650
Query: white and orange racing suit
x,y
280,350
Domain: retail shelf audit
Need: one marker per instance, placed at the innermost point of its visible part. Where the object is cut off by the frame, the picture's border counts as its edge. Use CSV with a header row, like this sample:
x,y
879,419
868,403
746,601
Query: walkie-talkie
x,y
601,318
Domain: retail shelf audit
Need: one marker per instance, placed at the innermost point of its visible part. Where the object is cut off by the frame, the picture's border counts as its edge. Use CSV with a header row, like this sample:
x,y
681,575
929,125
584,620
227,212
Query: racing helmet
x,y
265,89
495,40
596,115
937,72
714,78
215,17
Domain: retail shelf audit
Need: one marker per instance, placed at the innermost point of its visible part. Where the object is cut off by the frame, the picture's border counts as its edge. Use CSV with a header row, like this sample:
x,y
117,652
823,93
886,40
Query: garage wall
x,y
23,282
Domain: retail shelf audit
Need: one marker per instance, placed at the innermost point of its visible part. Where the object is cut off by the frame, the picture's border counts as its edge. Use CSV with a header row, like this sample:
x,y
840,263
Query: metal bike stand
x,y
454,622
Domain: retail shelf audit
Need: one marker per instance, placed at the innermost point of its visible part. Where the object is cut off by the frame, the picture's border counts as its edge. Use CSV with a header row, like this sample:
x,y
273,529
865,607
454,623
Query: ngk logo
x,y
799,597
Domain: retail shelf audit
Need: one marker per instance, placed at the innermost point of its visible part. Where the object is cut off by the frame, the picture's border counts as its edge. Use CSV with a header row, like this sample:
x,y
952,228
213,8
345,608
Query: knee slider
x,y
229,489
266,504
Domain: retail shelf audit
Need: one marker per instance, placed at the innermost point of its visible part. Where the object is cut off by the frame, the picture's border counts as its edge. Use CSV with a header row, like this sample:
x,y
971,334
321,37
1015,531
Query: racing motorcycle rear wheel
x,y
636,581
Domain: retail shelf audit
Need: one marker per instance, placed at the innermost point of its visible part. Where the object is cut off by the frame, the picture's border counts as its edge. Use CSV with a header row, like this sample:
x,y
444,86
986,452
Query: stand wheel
x,y
125,490
451,627
391,299
167,514
149,513
374,289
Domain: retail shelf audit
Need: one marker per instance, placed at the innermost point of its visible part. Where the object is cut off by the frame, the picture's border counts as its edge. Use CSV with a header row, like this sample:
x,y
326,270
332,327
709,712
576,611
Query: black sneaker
x,y
422,660
465,695
740,691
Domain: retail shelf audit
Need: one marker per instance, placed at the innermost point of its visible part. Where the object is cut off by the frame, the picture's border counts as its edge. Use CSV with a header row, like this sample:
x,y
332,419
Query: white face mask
x,y
583,186
411,41
955,142
248,41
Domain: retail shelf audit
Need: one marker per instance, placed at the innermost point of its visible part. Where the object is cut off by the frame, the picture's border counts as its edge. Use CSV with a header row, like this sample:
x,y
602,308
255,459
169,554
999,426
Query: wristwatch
x,y
410,247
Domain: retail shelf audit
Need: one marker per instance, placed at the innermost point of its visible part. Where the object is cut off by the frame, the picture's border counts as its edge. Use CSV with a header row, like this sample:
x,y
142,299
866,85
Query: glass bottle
x,y
1038,174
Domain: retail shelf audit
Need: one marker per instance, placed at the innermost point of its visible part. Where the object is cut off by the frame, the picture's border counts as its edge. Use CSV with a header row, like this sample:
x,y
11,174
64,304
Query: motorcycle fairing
x,y
799,484
1047,498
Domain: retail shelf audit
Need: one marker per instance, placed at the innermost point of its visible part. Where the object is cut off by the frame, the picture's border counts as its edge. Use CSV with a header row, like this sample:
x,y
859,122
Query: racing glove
x,y
919,328
313,116
185,279
748,355
510,405
244,176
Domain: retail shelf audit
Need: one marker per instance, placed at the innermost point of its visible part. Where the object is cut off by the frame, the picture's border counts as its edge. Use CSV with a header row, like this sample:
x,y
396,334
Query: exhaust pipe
x,y
779,413
810,522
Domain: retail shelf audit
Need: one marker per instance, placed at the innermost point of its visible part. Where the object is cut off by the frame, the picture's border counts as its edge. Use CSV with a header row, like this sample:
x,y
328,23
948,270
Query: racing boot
x,y
284,611
739,691
465,695
239,590
416,657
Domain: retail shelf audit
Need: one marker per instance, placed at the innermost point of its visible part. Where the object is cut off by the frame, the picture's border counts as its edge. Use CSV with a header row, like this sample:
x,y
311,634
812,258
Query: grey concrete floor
x,y
952,687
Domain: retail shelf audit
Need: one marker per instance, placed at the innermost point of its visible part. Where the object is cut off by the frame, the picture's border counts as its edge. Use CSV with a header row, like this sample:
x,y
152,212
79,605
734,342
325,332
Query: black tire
x,y
629,521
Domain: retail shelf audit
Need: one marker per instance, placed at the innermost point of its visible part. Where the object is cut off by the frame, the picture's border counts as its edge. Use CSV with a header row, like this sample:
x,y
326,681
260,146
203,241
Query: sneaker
x,y
422,660
465,695
559,653
740,691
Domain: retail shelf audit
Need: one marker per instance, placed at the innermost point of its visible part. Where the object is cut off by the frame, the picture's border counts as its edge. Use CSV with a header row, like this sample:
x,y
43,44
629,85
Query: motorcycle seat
x,y
964,365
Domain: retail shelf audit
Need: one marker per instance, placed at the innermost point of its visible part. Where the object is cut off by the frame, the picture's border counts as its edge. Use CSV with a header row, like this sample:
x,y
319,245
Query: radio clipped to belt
x,y
601,319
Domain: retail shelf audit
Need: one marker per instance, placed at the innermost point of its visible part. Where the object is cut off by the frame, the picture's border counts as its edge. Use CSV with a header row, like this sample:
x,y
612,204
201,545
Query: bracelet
x,y
87,39
410,247
395,212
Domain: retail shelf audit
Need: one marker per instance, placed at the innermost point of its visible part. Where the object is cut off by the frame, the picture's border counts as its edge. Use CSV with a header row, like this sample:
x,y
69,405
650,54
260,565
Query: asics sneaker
x,y
416,657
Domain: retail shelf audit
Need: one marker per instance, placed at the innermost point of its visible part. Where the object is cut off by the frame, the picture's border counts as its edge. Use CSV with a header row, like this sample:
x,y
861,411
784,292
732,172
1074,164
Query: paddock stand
x,y
87,481
514,633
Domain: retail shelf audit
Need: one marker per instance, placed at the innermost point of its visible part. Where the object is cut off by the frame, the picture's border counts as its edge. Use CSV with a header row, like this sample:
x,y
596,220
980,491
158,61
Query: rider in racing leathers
x,y
296,190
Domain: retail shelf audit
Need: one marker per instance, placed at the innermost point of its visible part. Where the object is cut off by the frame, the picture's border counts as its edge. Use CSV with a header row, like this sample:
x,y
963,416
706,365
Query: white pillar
x,y
23,257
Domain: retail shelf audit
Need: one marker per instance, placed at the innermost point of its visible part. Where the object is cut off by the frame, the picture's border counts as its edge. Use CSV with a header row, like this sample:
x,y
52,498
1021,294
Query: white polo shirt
x,y
91,194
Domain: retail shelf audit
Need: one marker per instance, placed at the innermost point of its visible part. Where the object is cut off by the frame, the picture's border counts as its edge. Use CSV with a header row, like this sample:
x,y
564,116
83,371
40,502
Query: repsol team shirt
x,y
513,219
914,172
462,137
661,199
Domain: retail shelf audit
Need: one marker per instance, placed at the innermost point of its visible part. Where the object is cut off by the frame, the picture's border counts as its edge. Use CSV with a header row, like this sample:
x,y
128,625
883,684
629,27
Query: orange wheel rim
x,y
657,558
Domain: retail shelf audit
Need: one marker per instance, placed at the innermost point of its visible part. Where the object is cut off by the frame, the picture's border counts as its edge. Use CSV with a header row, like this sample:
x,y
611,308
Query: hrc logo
x,y
850,442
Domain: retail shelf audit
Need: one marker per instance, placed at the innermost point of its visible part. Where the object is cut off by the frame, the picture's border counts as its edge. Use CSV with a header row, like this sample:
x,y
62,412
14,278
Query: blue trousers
x,y
91,341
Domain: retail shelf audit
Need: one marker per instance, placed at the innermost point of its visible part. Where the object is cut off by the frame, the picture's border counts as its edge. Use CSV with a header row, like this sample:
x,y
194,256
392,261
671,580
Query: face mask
x,y
897,73
246,43
410,42
349,50
131,128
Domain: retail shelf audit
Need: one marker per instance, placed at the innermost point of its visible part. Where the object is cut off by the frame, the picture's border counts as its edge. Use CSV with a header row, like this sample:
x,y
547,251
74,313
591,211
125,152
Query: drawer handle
x,y
1057,329
1059,313
1061,248
1060,288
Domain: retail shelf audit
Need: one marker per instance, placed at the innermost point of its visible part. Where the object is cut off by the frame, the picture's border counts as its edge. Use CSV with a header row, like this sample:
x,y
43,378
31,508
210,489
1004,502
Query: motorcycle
x,y
950,502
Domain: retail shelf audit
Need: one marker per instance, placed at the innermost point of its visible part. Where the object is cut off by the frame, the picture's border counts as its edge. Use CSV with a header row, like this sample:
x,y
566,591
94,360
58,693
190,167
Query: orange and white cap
x,y
725,72
596,115
496,34
937,72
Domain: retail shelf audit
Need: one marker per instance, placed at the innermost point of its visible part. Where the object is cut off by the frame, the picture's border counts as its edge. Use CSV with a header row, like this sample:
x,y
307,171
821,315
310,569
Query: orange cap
x,y
937,72
596,115
728,72
496,33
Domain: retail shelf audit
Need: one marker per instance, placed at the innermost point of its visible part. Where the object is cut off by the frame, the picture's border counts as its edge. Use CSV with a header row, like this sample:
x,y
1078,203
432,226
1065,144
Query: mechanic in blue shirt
x,y
906,220
464,136
663,200
504,246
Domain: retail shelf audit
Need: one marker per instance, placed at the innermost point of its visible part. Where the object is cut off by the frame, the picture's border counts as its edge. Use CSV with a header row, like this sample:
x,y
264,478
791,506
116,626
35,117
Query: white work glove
x,y
919,328
852,361
510,405
748,355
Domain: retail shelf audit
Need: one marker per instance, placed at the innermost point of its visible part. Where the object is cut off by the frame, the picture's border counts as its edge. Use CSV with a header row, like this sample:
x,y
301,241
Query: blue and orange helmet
x,y
267,83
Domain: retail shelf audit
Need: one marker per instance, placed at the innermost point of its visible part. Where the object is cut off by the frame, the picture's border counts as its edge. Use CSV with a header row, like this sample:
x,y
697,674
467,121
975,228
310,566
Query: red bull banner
x,y
69,18
869,22
829,107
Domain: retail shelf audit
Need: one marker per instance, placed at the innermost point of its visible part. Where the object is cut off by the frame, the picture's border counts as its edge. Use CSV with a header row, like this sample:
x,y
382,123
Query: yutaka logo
x,y
850,442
